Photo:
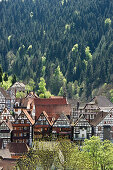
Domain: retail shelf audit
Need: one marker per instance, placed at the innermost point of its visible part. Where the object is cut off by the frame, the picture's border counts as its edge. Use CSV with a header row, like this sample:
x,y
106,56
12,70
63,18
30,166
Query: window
x,y
20,134
91,116
99,128
25,128
88,129
4,117
22,121
82,129
14,134
77,129
82,135
25,134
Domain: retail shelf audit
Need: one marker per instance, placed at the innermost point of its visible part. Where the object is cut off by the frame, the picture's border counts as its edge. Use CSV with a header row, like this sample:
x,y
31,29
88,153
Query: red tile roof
x,y
56,105
51,101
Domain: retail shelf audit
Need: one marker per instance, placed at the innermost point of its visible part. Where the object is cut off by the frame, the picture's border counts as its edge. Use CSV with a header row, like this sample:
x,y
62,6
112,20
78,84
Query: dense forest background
x,y
67,42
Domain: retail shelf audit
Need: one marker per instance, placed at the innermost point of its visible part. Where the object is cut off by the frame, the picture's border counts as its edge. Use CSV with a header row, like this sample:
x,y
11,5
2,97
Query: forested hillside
x,y
67,42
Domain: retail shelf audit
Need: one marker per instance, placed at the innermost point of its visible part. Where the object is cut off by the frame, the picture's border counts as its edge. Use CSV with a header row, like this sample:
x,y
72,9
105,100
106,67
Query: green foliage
x,y
108,21
75,48
30,86
5,77
63,154
43,93
50,29
14,79
20,94
88,53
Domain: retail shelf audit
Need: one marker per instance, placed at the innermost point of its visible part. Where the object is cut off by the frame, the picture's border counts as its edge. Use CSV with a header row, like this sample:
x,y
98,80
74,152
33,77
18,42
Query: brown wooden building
x,y
81,129
43,126
23,128
6,132
61,127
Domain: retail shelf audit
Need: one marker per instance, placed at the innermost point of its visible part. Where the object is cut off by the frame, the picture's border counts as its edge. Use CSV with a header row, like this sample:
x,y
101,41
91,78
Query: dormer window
x,y
16,104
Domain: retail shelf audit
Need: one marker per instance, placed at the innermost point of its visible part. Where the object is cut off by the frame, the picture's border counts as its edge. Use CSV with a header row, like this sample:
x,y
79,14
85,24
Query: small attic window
x,y
16,104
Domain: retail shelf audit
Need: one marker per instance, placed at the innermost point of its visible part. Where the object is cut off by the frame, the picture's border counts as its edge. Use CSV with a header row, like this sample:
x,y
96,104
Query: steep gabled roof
x,y
18,84
46,116
100,116
31,95
6,110
102,101
27,115
77,121
62,117
51,101
8,124
4,93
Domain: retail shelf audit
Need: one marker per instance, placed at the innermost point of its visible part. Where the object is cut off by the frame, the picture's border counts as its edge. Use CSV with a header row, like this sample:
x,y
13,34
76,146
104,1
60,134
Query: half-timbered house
x,y
23,128
61,127
93,108
6,115
43,126
24,103
16,87
5,132
5,100
103,125
81,129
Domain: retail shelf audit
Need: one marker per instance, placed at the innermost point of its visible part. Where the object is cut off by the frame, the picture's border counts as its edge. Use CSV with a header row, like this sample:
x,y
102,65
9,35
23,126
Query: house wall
x,y
107,121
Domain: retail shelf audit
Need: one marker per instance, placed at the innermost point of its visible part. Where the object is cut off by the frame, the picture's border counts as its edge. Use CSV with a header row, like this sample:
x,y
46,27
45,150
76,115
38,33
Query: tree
x,y
13,79
107,21
1,74
43,93
20,94
5,77
92,148
88,53
30,86
99,152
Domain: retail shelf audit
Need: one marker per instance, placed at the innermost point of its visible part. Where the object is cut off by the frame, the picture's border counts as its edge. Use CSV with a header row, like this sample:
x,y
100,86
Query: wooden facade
x,y
5,100
6,115
23,128
81,129
103,125
42,127
61,127
5,133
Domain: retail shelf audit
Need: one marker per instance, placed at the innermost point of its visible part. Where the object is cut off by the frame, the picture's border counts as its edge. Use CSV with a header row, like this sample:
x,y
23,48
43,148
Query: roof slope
x,y
17,147
4,153
51,101
4,93
102,101
28,116
100,116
